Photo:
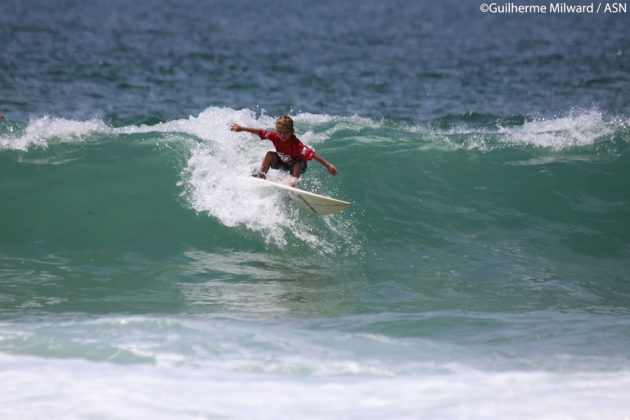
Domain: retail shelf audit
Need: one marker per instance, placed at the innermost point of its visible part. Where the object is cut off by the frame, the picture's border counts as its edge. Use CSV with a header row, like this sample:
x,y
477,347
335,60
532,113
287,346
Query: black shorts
x,y
283,166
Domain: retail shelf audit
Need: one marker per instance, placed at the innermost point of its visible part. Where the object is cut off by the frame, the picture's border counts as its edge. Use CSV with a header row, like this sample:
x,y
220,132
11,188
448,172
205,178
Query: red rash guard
x,y
288,151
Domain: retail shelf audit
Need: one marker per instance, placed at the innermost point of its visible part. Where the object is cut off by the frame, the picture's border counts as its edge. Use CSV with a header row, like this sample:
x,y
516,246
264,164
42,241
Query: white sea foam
x,y
217,179
346,122
32,387
577,129
113,367
39,132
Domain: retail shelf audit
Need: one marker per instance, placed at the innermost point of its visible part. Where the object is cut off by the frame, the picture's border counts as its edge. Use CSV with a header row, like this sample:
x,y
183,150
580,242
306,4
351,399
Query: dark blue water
x,y
410,60
481,272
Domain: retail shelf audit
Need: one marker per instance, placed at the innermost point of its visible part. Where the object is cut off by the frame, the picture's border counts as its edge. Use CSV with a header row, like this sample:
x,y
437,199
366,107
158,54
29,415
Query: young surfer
x,y
290,155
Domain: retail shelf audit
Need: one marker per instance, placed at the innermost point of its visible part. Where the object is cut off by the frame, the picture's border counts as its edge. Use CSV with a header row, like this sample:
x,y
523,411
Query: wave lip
x,y
41,131
474,131
576,130
557,134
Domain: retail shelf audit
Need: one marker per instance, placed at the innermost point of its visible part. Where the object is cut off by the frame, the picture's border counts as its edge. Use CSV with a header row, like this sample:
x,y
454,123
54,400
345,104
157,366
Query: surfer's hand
x,y
332,170
236,127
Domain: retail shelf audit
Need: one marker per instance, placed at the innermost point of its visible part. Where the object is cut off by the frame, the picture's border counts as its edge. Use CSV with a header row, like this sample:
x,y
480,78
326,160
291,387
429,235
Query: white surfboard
x,y
314,203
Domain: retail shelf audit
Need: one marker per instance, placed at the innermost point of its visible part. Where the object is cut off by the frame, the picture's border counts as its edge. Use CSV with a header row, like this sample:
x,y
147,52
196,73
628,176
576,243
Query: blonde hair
x,y
285,122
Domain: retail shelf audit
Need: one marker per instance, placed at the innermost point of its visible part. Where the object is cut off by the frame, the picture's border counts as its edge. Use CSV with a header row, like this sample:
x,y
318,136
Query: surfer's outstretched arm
x,y
238,128
331,169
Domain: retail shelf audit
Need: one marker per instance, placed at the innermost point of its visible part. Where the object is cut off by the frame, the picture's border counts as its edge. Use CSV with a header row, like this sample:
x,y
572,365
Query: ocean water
x,y
483,270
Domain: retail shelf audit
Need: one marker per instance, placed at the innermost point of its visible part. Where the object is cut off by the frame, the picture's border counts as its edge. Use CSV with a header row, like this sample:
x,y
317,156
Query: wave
x,y
578,128
408,182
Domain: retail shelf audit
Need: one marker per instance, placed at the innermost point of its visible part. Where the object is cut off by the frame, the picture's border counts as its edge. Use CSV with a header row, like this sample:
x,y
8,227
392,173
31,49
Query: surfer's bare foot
x,y
259,175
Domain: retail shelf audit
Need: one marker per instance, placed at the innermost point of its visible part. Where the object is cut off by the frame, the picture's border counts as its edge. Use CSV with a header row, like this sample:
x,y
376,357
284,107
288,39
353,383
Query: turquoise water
x,y
481,272
475,254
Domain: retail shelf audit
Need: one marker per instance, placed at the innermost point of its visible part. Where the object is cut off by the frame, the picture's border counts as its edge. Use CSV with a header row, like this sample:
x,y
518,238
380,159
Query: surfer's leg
x,y
298,168
268,161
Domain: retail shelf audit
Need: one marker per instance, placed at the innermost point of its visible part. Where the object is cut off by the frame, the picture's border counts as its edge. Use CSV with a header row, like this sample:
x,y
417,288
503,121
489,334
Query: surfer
x,y
290,155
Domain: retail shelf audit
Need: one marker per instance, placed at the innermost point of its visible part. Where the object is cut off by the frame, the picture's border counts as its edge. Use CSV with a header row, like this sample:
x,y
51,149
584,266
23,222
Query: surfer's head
x,y
284,127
